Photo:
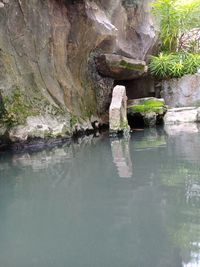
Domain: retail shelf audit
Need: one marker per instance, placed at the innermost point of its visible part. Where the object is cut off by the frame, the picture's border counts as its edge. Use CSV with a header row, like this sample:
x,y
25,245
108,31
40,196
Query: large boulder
x,y
118,111
182,92
119,67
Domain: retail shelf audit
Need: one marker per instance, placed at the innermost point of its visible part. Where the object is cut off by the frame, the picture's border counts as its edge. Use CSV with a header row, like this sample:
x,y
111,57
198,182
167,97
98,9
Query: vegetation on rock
x,y
16,110
150,105
16,107
174,65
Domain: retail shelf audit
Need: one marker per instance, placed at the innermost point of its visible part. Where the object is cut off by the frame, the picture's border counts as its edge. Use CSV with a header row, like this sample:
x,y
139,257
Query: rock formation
x,y
120,68
48,51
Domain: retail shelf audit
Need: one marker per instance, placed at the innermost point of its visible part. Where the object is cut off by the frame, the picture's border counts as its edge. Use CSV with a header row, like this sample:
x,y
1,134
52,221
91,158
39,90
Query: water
x,y
104,203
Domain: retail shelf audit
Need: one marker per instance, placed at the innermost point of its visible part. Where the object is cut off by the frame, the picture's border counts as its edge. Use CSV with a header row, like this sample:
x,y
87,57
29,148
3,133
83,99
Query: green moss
x,y
73,120
150,105
154,102
131,66
17,109
197,104
124,125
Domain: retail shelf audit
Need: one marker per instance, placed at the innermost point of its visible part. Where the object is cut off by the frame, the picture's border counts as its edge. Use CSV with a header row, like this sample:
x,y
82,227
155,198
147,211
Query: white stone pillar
x,y
118,111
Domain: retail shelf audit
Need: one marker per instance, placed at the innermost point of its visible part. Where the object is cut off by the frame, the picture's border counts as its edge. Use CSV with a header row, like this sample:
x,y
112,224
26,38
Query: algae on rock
x,y
151,110
148,105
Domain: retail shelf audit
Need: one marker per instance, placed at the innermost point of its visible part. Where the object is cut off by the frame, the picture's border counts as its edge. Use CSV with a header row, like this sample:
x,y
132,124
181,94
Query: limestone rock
x,y
182,92
118,111
182,115
119,67
83,126
40,127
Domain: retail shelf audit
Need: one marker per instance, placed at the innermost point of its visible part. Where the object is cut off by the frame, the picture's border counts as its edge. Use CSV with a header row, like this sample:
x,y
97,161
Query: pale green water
x,y
103,203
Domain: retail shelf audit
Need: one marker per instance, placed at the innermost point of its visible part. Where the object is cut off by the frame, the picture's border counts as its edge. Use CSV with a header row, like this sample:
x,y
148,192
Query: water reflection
x,y
150,139
66,206
121,157
186,128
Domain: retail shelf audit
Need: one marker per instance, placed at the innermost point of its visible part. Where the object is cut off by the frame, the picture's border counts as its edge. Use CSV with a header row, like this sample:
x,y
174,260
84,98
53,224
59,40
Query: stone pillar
x,y
118,122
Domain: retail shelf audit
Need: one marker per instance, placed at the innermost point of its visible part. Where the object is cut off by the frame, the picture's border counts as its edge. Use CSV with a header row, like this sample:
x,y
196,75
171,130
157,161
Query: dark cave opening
x,y
136,121
139,88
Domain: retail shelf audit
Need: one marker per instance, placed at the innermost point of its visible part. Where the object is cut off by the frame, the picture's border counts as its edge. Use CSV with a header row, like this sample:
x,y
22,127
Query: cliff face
x,y
48,50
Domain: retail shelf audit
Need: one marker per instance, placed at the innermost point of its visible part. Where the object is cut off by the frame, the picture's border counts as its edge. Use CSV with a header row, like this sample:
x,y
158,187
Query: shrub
x,y
174,65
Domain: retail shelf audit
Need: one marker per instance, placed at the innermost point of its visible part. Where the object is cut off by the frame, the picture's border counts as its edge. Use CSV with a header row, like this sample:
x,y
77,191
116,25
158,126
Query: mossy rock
x,y
147,105
16,107
120,67
131,66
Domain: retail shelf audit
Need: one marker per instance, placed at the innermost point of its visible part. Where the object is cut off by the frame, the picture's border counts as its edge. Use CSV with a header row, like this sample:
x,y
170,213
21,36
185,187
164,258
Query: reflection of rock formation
x,y
121,157
185,139
52,156
151,138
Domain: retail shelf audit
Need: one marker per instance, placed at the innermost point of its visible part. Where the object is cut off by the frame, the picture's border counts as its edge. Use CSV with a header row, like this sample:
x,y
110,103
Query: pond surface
x,y
104,203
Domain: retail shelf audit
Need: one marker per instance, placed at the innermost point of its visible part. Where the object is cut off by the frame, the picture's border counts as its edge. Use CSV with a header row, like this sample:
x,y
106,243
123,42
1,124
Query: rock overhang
x,y
119,67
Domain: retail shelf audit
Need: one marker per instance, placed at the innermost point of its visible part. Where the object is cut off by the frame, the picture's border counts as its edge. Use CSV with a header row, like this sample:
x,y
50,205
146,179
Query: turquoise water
x,y
103,202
